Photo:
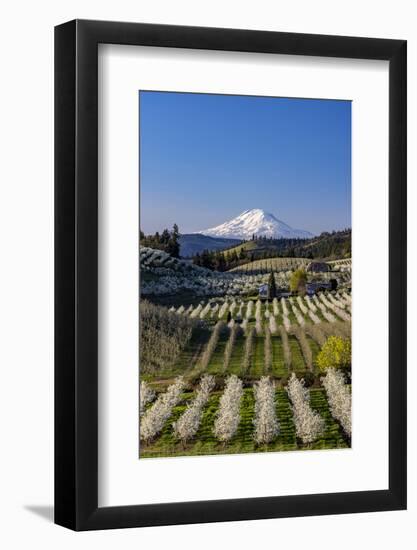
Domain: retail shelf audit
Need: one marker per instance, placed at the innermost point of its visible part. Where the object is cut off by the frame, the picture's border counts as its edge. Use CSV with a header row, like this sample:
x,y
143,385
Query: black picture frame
x,y
76,272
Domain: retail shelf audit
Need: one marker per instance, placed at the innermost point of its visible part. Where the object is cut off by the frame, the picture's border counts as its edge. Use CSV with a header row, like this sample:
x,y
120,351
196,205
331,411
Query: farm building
x,y
318,286
318,267
263,291
280,292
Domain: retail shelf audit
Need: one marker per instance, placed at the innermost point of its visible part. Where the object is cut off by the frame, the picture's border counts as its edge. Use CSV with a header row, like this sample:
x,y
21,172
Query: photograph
x,y
245,273
207,318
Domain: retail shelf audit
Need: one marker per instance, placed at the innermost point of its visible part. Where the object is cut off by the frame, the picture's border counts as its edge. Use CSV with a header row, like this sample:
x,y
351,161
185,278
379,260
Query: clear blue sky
x,y
206,158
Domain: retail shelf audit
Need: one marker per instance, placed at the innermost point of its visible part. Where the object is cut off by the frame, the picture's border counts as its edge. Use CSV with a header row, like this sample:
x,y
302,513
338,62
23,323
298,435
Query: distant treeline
x,y
327,246
168,241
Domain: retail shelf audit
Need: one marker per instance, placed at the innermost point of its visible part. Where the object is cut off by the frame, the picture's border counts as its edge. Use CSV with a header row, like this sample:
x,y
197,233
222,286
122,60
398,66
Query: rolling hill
x,y
327,246
194,243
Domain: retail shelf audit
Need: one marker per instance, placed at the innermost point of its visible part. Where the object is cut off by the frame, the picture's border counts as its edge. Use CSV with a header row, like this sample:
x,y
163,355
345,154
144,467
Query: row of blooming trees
x,y
155,417
309,424
339,398
187,425
228,414
146,395
265,421
302,309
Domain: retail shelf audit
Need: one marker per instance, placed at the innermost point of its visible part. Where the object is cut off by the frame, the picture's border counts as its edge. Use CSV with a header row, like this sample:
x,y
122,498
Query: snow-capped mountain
x,y
255,222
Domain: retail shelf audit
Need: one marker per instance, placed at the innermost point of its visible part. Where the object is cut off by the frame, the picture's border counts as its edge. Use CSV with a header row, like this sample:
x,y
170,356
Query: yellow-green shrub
x,y
336,352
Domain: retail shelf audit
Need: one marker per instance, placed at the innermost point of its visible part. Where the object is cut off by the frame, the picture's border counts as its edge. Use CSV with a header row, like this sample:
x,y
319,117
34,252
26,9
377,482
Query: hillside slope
x,y
327,246
194,243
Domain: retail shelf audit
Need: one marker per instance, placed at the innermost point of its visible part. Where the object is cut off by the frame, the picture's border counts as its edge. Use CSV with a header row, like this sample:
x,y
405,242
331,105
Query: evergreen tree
x,y
205,258
173,242
165,236
219,261
272,289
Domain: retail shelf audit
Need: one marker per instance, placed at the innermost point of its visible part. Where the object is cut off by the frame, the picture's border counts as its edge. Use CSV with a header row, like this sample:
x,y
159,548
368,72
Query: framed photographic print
x,y
230,275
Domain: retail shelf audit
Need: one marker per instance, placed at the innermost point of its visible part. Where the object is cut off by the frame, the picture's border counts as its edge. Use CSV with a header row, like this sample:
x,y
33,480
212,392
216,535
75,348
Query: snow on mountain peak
x,y
255,222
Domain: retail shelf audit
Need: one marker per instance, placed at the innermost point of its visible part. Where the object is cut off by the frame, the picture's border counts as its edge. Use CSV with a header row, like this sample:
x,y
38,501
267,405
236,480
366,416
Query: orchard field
x,y
239,375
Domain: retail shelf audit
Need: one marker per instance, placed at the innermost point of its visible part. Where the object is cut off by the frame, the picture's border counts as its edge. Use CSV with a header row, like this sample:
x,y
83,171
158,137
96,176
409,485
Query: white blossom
x,y
258,326
187,425
223,310
174,275
324,299
338,303
335,308
328,316
228,414
313,317
298,316
244,325
302,305
347,297
205,311
146,395
287,323
310,304
339,398
249,310
265,421
308,423
273,327
196,312
155,417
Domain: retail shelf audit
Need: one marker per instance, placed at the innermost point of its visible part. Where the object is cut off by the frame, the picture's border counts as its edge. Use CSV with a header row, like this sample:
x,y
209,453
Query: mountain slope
x,y
255,222
191,244
325,247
